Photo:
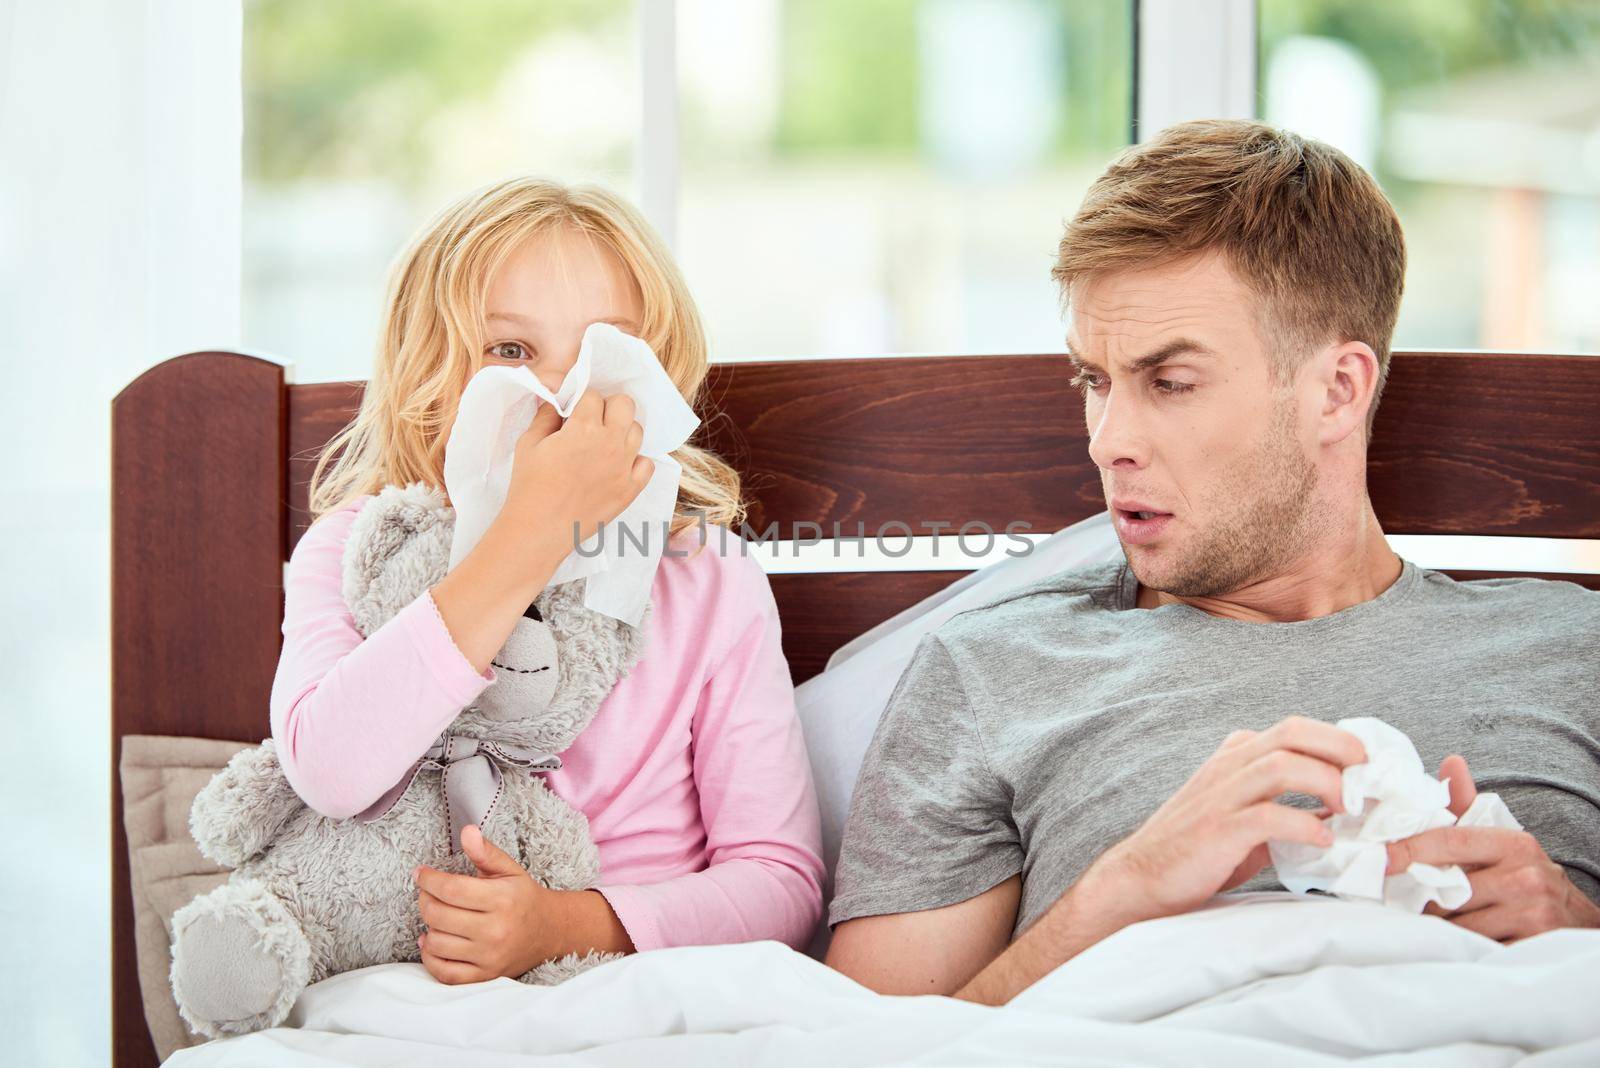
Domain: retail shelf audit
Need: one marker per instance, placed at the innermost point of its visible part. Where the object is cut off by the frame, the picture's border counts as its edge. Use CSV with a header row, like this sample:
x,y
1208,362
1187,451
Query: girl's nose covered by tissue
x,y
1388,798
498,406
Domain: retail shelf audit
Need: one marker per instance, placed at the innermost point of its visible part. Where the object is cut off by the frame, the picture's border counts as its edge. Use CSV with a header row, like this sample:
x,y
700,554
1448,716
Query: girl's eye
x,y
508,350
1171,388
1085,381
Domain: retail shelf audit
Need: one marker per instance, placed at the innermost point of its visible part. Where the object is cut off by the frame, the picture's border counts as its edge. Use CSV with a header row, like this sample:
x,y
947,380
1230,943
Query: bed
x,y
211,452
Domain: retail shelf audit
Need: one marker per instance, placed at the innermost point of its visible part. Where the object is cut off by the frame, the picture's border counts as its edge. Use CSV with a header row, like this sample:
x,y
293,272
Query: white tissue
x,y
1404,801
498,405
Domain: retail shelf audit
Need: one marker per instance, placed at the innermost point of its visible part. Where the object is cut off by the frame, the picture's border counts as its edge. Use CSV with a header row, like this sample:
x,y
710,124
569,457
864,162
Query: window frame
x,y
1191,59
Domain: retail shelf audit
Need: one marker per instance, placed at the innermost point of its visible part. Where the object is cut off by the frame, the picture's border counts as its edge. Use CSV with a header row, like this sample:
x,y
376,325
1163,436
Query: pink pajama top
x,y
693,773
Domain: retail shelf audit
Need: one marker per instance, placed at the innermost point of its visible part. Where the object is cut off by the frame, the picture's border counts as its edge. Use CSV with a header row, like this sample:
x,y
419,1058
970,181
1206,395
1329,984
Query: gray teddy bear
x,y
310,896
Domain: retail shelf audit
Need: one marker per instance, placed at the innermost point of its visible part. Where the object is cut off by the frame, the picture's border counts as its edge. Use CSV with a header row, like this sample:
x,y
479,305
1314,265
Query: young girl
x,y
692,774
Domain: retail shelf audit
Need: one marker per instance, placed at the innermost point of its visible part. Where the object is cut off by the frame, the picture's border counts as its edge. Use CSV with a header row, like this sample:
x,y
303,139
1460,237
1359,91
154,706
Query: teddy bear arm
x,y
244,806
554,844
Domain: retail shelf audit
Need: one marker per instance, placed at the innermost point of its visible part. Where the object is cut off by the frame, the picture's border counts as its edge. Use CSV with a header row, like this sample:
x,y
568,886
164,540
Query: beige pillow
x,y
160,777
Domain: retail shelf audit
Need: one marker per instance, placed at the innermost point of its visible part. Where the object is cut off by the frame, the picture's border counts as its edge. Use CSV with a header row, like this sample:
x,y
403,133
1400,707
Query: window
x,y
1481,119
851,178
363,117
890,176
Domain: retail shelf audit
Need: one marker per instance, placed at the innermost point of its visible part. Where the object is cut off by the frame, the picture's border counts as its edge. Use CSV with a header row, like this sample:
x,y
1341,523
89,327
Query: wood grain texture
x,y
907,439
316,413
197,534
821,612
1465,443
1485,443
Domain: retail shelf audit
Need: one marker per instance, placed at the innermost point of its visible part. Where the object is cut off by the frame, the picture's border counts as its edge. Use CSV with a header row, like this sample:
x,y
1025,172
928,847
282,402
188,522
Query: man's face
x,y
1207,471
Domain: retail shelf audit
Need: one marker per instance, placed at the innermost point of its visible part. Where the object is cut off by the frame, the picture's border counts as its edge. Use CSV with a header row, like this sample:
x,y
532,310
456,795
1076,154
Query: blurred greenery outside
x,y
397,97
335,90
1504,253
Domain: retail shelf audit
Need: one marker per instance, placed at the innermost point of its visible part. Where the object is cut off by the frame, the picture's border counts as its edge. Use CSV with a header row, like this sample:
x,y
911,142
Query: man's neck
x,y
1334,574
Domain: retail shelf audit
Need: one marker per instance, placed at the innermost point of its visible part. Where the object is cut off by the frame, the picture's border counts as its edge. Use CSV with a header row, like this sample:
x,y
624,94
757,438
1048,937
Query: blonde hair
x,y
1307,230
431,338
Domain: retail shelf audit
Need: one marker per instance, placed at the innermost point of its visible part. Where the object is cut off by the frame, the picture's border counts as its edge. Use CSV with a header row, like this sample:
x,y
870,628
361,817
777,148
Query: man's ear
x,y
1349,378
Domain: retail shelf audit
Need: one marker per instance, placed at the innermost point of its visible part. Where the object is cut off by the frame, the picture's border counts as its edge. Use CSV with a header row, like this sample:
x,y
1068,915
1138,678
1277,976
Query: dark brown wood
x,y
820,612
1465,443
197,534
909,439
1591,582
317,412
1486,443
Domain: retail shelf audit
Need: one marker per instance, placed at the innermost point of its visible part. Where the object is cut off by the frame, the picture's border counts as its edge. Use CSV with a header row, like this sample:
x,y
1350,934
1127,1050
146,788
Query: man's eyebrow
x,y
1181,347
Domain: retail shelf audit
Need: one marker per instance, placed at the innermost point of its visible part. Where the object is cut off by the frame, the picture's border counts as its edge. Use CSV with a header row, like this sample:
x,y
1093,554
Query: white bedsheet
x,y
1271,980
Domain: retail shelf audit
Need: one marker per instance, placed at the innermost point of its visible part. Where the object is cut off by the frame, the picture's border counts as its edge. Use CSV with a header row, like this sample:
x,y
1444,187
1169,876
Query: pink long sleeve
x,y
351,716
693,772
756,802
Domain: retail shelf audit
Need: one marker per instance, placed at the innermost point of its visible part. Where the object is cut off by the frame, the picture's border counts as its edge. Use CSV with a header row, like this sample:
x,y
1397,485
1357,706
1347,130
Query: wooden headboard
x,y
211,452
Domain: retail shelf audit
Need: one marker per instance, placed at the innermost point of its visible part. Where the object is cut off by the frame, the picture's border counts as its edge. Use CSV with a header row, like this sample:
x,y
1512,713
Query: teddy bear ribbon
x,y
470,769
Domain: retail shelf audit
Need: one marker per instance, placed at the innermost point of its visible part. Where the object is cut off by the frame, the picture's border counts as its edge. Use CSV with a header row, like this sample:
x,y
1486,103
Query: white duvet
x,y
1269,980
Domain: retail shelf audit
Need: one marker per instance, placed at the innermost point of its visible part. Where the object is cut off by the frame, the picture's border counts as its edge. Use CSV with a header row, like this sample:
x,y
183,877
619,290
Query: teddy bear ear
x,y
398,546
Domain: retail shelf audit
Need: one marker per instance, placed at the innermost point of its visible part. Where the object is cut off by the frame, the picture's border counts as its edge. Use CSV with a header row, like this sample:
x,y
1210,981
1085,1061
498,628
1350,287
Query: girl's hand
x,y
568,478
580,473
501,922
484,926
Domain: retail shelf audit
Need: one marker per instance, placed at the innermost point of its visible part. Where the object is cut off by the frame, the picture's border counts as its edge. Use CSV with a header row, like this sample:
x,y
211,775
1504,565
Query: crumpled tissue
x,y
1388,798
499,404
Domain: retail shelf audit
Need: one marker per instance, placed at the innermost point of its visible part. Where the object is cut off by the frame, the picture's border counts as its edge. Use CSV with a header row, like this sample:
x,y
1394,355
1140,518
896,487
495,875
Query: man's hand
x,y
1212,834
484,926
1517,890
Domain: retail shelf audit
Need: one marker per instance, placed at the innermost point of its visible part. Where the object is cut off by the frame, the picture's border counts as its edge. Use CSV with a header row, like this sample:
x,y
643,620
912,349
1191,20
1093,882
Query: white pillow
x,y
839,709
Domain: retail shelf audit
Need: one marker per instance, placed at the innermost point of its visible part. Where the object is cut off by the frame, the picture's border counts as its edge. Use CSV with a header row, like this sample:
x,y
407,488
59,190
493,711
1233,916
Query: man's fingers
x,y
1495,885
1471,846
1236,739
1268,819
462,891
1463,791
1499,922
1283,771
441,916
1311,737
1258,858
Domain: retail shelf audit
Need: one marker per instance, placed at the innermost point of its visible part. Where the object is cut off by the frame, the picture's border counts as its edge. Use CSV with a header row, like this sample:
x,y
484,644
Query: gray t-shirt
x,y
1033,732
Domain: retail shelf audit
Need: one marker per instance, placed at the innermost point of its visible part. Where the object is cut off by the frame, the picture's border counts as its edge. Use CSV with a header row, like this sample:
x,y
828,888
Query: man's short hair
x,y
1308,231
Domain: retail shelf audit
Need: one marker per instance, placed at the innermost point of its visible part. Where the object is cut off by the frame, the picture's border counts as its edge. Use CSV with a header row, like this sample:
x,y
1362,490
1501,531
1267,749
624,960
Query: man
x,y
1040,778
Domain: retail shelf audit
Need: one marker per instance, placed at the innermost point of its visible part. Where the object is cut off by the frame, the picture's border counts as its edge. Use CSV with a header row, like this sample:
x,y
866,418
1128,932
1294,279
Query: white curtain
x,y
120,181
